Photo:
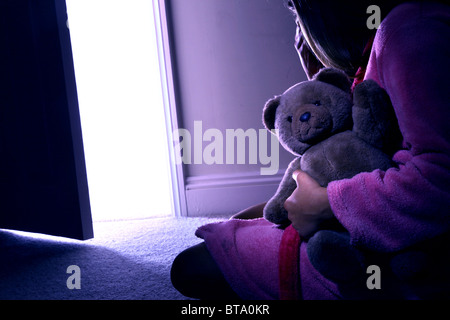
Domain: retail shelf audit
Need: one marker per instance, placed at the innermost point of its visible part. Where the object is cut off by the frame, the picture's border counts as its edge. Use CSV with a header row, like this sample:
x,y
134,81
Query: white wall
x,y
230,57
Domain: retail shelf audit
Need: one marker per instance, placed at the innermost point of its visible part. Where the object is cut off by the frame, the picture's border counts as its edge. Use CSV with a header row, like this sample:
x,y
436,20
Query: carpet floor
x,y
127,260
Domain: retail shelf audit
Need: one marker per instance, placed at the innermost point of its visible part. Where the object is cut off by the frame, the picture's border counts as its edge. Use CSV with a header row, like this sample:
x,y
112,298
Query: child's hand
x,y
308,205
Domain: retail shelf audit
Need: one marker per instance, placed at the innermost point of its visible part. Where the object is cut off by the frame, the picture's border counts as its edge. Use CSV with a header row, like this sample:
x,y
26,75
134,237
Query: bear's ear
x,y
270,111
334,77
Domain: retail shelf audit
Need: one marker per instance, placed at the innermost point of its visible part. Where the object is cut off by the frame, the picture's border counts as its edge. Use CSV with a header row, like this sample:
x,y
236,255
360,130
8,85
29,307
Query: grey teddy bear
x,y
335,136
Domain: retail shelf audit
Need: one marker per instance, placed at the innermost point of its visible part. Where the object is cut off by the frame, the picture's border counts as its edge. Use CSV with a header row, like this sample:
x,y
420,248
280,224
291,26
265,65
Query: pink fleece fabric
x,y
388,211
383,211
247,253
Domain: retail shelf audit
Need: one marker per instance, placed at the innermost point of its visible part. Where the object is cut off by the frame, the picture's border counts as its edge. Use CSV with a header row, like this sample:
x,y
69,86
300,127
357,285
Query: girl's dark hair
x,y
337,31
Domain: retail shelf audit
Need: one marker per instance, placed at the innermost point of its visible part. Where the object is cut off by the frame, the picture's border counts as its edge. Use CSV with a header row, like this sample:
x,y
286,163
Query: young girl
x,y
383,211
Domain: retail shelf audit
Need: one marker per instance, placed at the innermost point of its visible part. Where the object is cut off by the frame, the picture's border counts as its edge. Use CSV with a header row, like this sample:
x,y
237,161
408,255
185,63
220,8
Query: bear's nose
x,y
305,117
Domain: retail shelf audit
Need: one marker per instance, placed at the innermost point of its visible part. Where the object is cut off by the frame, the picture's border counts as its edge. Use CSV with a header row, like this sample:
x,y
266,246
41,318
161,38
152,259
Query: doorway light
x,y
121,106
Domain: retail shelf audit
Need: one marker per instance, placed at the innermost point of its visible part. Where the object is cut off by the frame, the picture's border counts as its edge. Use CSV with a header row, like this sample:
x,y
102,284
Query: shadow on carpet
x,y
127,260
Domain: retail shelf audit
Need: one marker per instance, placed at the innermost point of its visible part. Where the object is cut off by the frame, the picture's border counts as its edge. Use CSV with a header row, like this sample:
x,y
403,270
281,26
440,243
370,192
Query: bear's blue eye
x,y
317,103
289,119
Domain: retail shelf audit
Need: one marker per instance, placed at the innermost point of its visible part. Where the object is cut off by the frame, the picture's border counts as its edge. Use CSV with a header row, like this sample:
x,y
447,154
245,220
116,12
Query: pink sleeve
x,y
386,211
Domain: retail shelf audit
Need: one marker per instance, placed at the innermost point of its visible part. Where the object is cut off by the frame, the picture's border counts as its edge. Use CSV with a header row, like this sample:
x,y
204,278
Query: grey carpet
x,y
127,260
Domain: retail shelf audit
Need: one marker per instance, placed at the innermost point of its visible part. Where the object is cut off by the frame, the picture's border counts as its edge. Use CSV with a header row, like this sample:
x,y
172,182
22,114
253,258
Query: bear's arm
x,y
374,119
274,210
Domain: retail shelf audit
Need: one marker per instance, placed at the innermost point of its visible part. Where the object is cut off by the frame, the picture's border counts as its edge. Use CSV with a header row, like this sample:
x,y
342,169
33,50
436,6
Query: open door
x,y
43,183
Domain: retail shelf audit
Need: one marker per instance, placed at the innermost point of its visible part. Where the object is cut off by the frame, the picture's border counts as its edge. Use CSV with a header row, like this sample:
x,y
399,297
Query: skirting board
x,y
228,194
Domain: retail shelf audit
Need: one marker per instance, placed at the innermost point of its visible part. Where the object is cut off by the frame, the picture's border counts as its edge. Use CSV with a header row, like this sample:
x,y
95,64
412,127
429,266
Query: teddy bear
x,y
335,135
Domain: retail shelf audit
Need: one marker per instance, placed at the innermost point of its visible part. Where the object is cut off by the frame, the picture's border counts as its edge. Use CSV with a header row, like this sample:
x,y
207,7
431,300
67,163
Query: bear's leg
x,y
332,255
